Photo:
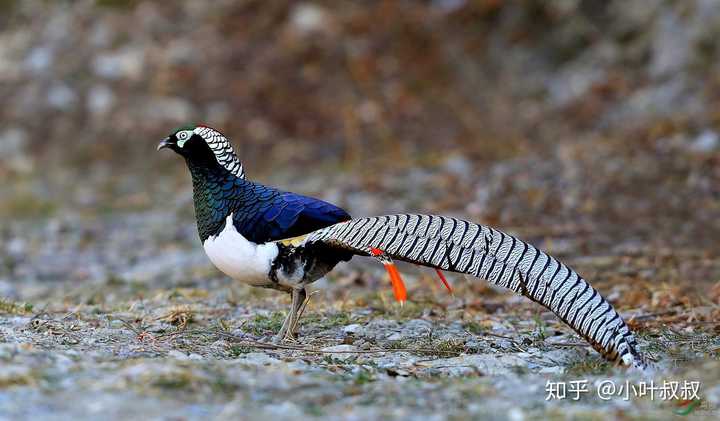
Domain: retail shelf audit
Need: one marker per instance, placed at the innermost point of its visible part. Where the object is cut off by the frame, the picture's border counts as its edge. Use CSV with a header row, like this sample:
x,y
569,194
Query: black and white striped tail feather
x,y
460,246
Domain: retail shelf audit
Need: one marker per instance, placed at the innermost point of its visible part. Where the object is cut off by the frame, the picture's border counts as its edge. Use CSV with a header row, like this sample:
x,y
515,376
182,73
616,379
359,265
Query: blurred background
x,y
588,128
585,126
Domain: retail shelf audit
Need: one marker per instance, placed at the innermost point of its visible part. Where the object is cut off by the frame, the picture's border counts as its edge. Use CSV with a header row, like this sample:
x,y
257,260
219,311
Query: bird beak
x,y
164,144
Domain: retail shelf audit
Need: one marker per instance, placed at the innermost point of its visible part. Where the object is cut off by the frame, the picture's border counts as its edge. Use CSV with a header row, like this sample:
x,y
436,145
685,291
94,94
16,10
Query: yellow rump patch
x,y
294,241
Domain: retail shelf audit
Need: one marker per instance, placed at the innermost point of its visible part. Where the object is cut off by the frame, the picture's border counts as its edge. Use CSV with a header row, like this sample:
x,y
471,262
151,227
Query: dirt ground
x,y
122,315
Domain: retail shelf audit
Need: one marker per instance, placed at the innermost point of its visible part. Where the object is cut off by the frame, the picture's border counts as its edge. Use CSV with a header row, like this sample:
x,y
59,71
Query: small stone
x,y
504,344
100,99
60,96
458,165
342,352
116,324
127,63
12,141
308,17
368,112
671,45
552,370
7,289
39,60
285,410
474,346
177,355
707,141
395,337
352,329
418,325
394,372
16,247
257,359
516,414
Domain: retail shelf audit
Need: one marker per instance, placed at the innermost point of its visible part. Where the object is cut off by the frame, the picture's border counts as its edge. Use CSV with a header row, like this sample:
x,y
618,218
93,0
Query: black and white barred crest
x,y
222,149
461,246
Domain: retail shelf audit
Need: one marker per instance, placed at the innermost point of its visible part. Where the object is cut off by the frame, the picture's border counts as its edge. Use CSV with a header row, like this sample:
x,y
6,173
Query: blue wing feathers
x,y
272,213
264,214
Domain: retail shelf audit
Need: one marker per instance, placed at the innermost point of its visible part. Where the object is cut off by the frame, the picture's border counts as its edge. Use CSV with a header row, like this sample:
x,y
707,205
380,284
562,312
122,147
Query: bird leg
x,y
283,329
289,326
294,327
302,309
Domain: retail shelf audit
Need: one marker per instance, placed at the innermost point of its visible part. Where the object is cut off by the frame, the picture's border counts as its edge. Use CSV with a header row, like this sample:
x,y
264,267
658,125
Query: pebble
x,y
352,329
308,17
552,370
179,355
395,336
257,359
707,141
123,63
341,352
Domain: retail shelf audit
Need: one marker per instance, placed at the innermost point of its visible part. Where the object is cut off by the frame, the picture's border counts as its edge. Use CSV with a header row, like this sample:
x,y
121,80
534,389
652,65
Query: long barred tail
x,y
460,246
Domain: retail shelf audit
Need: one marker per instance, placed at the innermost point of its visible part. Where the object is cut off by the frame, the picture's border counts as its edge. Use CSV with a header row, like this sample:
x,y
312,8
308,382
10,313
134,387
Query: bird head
x,y
203,146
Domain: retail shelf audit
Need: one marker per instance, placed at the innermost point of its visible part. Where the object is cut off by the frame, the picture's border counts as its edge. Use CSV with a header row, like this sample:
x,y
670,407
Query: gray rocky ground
x,y
121,315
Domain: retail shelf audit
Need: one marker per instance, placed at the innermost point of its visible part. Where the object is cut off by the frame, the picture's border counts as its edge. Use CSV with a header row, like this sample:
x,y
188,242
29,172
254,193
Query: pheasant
x,y
274,239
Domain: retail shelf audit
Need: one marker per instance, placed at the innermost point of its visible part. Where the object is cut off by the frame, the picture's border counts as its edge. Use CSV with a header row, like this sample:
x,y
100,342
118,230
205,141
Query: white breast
x,y
240,258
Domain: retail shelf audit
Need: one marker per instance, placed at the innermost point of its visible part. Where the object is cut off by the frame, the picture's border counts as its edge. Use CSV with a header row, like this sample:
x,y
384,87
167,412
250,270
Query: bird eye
x,y
183,137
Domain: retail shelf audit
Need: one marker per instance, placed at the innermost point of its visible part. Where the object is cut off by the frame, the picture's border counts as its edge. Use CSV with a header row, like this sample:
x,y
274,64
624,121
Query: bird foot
x,y
288,331
284,338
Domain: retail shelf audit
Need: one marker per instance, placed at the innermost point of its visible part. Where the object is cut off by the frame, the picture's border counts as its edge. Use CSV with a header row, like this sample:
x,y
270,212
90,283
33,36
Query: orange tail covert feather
x,y
444,281
397,283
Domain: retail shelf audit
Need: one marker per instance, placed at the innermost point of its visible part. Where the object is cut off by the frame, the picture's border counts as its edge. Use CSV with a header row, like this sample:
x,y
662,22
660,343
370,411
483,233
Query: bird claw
x,y
284,338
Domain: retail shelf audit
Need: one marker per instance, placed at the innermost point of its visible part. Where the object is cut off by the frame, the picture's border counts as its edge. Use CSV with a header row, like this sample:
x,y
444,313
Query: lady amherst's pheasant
x,y
274,239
